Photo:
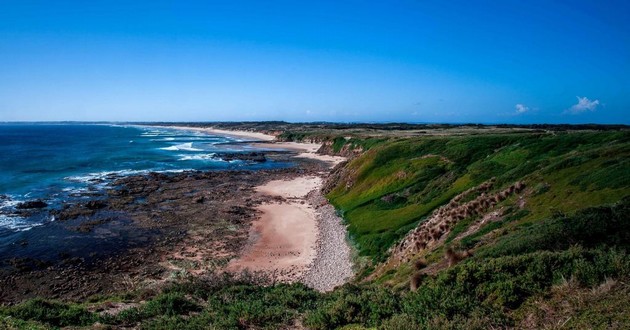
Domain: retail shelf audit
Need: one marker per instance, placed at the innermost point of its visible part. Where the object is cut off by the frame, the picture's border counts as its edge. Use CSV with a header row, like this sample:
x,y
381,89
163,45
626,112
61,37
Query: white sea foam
x,y
9,203
199,157
101,176
187,138
74,190
17,223
188,146
164,139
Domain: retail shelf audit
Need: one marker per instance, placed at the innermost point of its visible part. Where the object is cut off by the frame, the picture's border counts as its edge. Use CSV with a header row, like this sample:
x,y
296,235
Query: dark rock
x,y
71,212
239,210
170,208
36,204
257,157
95,205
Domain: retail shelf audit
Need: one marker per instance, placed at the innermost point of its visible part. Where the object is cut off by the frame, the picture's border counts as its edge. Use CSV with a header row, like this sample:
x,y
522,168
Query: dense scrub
x,y
219,302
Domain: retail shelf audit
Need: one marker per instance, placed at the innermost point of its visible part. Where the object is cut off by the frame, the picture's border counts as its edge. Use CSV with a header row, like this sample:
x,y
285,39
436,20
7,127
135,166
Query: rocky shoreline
x,y
174,226
332,265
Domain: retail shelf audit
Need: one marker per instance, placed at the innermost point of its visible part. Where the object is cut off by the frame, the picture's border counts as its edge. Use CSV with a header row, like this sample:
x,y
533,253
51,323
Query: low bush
x,y
52,312
592,227
351,304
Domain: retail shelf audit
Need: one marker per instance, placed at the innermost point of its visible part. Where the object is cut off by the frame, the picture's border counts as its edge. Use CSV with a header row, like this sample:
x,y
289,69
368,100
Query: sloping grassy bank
x,y
393,186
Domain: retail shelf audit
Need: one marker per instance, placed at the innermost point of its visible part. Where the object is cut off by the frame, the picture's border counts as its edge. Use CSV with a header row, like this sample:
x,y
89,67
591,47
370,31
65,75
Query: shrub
x,y
169,304
593,227
53,313
354,305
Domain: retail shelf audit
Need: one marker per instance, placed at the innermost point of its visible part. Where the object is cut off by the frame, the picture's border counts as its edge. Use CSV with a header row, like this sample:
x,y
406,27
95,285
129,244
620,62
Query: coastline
x,y
256,136
206,221
298,236
267,141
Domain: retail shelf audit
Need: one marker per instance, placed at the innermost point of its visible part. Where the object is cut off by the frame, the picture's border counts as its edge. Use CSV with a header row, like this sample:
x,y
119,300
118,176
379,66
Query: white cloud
x,y
584,104
521,108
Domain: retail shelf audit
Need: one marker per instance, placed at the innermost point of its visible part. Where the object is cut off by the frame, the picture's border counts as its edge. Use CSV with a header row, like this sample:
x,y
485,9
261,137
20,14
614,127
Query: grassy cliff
x,y
393,186
516,229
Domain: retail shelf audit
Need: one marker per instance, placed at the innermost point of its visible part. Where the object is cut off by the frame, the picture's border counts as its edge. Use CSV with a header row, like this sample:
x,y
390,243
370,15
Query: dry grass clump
x,y
454,257
419,264
416,280
428,233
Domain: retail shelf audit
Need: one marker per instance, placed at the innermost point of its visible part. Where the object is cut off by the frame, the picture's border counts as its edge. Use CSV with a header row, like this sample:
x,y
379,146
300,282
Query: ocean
x,y
58,163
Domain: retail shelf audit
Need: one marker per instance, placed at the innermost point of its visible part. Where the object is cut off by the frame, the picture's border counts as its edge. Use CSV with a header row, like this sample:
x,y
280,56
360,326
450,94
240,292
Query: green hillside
x,y
392,187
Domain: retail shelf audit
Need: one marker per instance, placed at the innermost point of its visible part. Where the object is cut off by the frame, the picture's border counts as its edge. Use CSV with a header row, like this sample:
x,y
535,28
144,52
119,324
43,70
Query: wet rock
x,y
199,199
257,157
95,205
88,226
70,212
35,204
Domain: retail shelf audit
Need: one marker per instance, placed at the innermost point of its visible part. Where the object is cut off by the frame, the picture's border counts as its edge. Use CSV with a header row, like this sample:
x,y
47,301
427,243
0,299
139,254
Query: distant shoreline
x,y
238,134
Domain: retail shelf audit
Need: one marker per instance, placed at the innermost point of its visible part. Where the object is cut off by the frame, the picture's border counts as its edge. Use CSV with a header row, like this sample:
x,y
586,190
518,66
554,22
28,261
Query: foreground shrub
x,y
170,304
353,304
53,313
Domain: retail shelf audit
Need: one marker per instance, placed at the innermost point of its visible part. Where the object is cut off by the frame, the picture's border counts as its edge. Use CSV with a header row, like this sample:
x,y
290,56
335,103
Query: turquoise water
x,y
57,163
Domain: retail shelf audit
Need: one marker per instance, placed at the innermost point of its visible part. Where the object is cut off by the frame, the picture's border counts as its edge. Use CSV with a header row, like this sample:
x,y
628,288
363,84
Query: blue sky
x,y
411,61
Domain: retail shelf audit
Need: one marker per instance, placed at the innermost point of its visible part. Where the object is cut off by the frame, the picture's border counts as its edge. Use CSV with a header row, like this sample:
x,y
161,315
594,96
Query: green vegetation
x,y
398,183
599,227
495,288
52,313
221,302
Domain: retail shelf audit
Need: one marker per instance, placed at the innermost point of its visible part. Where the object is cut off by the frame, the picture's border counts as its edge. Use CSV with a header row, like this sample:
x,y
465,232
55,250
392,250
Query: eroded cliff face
x,y
337,174
347,150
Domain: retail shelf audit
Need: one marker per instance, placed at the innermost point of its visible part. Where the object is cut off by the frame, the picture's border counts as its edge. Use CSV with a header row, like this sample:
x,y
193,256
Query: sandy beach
x,y
332,160
298,237
237,134
292,146
282,240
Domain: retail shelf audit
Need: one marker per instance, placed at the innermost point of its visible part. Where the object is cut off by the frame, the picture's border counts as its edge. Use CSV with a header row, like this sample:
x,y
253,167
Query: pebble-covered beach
x,y
332,265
